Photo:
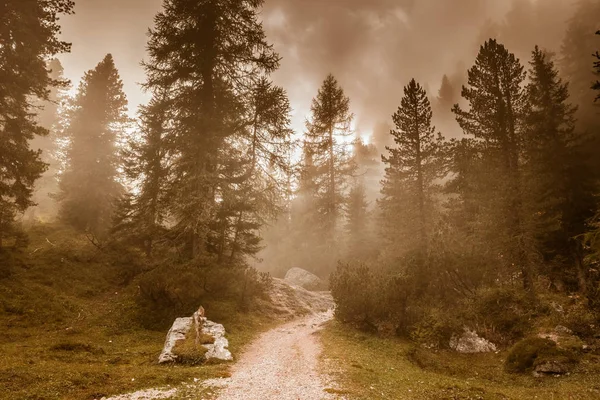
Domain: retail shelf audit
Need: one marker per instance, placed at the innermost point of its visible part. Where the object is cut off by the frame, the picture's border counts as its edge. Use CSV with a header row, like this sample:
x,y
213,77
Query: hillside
x,y
74,327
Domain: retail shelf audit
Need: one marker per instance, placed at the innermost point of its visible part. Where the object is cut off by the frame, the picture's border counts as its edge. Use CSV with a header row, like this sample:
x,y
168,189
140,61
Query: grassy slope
x,y
69,330
368,367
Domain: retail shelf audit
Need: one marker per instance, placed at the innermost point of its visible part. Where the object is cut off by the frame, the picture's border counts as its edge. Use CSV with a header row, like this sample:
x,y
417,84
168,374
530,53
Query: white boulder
x,y
177,332
218,350
302,278
470,342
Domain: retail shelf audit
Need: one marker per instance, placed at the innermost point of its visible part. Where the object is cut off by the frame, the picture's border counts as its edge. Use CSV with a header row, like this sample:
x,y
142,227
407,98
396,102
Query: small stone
x,y
563,330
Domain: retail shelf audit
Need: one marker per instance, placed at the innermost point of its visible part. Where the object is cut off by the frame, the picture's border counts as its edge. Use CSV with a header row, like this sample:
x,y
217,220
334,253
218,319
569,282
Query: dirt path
x,y
282,364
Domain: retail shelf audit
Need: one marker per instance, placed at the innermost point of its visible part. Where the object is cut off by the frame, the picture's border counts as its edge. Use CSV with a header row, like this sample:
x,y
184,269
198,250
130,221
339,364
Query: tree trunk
x,y
332,189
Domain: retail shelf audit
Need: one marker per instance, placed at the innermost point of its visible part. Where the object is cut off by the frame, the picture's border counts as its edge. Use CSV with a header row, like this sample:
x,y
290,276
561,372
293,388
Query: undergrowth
x,y
73,327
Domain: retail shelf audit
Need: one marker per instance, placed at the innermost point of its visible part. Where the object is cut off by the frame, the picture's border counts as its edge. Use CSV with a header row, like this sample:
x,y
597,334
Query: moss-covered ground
x,y
369,367
70,326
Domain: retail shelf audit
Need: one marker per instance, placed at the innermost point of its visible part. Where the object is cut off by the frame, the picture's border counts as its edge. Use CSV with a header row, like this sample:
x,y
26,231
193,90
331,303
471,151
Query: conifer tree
x,y
496,118
357,227
327,141
596,85
211,53
28,37
578,44
89,186
142,214
412,167
446,96
47,186
559,184
258,195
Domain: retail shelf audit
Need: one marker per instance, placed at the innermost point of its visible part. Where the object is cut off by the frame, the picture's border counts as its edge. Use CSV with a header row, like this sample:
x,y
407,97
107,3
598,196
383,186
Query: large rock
x,y
216,351
302,278
550,367
470,342
177,332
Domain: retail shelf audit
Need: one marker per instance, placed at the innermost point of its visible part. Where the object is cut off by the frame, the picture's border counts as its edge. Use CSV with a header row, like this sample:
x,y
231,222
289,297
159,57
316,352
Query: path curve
x,y
282,364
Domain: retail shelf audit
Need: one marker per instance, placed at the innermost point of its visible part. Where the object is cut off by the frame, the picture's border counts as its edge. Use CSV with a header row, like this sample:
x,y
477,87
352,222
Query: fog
x,y
373,48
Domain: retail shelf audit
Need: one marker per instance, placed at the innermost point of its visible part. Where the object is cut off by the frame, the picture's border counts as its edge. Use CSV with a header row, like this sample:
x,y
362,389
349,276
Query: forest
x,y
474,204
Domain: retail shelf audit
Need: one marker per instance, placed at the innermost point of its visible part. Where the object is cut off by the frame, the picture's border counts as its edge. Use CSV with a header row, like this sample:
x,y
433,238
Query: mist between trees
x,y
211,179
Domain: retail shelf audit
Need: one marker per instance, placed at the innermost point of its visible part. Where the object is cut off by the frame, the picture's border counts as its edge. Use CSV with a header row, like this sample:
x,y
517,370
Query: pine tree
x,y
47,186
329,144
29,36
358,243
413,165
211,53
142,214
258,195
496,118
578,44
560,188
596,85
89,186
446,95
576,68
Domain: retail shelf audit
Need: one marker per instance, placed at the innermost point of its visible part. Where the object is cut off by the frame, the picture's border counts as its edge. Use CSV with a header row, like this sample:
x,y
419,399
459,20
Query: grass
x,y
69,329
369,367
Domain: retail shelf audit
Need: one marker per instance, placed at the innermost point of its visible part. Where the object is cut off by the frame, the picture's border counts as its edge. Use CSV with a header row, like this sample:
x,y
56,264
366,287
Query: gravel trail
x,y
282,364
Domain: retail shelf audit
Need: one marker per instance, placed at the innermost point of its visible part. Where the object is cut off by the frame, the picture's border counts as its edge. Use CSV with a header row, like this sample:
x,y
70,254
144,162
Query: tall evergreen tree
x,y
329,144
596,85
89,187
446,96
413,165
496,118
28,38
212,54
358,243
578,44
142,214
47,185
559,184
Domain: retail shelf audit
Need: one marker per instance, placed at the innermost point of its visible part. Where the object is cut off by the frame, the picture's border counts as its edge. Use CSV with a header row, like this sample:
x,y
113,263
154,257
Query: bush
x,y
581,320
523,355
434,329
352,290
374,301
170,291
501,314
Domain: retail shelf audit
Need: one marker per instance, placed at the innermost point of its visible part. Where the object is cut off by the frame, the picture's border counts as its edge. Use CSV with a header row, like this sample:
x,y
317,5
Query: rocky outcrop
x,y
304,279
551,367
470,342
288,302
177,332
218,350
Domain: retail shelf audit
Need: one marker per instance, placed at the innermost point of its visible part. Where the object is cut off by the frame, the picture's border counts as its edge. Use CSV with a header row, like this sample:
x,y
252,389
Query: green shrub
x,y
522,356
434,329
173,290
581,320
374,300
352,289
501,314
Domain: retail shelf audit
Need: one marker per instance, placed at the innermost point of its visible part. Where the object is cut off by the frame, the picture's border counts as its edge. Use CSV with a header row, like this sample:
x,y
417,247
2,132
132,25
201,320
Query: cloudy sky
x,y
373,47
